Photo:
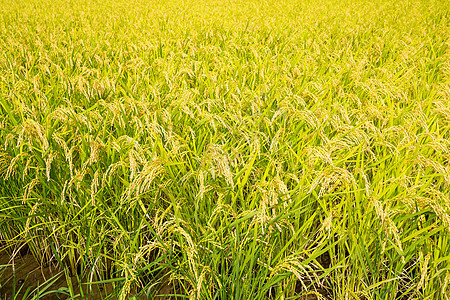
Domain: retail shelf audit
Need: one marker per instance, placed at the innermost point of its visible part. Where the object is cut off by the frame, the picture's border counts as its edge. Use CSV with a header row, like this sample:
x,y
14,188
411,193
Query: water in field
x,y
28,275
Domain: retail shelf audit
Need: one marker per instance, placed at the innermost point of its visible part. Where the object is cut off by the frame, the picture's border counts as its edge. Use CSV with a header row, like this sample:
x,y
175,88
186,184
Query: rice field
x,y
221,149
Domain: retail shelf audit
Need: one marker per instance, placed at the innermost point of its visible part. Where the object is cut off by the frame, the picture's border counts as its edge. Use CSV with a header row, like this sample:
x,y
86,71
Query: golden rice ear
x,y
94,185
5,161
318,153
333,178
423,269
446,284
442,108
13,164
142,182
422,162
48,163
202,188
384,214
216,161
67,152
367,186
96,148
29,188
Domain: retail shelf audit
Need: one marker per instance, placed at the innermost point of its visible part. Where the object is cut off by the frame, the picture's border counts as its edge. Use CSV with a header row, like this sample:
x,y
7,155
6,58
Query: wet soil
x,y
24,273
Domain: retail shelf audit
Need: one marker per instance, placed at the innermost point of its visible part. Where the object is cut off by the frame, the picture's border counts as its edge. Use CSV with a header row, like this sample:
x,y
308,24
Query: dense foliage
x,y
229,150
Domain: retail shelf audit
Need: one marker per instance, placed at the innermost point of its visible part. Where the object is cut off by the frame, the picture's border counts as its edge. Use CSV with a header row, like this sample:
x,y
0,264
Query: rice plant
x,y
225,150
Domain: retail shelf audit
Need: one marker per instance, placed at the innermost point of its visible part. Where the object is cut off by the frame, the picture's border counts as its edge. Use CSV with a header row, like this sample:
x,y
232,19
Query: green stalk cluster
x,y
225,150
